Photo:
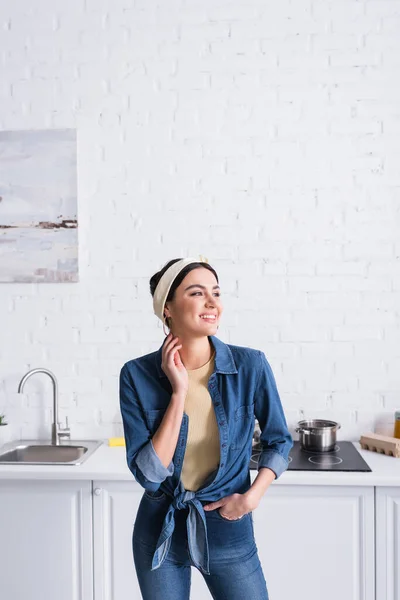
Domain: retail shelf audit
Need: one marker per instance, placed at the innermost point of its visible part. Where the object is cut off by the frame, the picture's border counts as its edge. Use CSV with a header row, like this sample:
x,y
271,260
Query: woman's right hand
x,y
173,367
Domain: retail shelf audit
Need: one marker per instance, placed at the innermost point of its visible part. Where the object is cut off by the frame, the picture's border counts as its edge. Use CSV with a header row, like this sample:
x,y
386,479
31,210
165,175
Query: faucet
x,y
57,431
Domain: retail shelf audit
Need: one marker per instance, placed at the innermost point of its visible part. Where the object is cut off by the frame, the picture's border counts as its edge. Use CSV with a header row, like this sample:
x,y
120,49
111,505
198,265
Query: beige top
x,y
202,452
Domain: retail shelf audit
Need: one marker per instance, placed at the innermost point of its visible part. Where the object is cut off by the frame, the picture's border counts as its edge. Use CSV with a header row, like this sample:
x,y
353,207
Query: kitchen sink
x,y
43,452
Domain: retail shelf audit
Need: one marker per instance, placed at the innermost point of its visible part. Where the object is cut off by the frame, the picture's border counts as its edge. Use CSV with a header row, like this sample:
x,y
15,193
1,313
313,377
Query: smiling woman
x,y
188,413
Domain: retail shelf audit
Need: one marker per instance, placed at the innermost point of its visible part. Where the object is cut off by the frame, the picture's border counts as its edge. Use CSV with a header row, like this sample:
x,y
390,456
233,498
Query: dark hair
x,y
179,278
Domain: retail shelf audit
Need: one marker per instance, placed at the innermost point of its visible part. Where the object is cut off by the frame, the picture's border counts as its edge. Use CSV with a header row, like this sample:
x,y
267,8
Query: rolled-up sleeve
x,y
275,438
142,459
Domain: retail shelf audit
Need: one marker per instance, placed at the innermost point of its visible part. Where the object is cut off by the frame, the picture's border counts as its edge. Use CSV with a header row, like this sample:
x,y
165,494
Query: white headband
x,y
164,285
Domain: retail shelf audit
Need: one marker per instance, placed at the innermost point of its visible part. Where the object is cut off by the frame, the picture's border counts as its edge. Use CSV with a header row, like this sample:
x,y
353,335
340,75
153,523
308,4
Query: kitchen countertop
x,y
109,463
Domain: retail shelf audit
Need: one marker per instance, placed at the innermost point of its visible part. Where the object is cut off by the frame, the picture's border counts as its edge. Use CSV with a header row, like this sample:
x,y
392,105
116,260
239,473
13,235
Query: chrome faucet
x,y
57,431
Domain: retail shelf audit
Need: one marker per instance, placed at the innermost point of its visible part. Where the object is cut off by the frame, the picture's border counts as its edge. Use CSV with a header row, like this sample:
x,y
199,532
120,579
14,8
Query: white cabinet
x,y
115,504
313,541
58,537
317,542
387,543
46,540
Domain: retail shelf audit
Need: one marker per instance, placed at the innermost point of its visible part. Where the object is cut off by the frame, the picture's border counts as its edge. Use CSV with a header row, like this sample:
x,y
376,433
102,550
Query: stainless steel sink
x,y
43,452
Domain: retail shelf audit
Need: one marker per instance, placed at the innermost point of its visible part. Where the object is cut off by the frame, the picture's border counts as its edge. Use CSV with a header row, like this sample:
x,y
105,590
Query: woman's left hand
x,y
235,506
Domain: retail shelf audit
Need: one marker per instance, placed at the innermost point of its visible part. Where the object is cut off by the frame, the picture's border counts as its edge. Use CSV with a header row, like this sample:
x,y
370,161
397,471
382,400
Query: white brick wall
x,y
264,135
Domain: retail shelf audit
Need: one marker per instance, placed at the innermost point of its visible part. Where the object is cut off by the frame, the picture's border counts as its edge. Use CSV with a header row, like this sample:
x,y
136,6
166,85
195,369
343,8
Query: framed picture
x,y
38,206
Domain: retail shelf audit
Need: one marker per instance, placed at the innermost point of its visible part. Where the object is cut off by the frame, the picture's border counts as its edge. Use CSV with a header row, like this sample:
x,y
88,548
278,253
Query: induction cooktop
x,y
344,457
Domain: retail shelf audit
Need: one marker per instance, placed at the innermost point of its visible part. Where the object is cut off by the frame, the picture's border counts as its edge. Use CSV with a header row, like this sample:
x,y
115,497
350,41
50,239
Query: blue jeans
x,y
235,568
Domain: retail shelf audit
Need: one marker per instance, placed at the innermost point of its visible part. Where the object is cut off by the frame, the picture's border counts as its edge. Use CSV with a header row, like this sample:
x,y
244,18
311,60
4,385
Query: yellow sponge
x,y
116,441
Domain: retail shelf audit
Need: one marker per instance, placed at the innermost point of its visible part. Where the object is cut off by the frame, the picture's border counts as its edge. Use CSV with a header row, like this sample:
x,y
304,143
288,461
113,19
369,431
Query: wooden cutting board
x,y
383,444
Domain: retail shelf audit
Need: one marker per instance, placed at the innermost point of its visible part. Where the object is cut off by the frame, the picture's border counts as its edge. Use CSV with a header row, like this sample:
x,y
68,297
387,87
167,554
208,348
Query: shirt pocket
x,y
154,418
243,425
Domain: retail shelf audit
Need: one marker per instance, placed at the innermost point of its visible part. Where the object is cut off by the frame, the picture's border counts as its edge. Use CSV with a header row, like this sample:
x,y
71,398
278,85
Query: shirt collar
x,y
224,361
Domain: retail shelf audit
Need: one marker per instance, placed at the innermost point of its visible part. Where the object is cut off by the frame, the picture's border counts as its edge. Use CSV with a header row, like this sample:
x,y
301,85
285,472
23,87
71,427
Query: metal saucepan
x,y
317,434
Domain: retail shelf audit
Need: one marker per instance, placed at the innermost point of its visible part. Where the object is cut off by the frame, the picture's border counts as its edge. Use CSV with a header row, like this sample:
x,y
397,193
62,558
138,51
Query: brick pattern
x,y
264,135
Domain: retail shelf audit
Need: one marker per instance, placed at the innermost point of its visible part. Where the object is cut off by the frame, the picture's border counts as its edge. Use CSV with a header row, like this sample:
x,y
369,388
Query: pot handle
x,y
301,430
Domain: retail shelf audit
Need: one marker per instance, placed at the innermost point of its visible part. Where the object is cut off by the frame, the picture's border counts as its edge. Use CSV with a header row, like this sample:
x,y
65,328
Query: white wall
x,y
265,135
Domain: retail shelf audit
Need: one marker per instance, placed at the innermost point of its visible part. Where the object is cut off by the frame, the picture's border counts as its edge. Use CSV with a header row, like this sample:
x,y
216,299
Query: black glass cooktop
x,y
344,457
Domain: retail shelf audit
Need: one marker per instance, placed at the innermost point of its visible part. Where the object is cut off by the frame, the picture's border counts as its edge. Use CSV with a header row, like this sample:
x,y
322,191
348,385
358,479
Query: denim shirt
x,y
241,386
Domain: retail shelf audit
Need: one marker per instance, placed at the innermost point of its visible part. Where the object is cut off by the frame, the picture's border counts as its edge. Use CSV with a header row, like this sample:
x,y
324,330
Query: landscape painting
x,y
38,206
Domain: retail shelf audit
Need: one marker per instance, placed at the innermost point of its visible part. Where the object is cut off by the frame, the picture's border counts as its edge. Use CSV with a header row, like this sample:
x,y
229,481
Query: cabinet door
x,y
46,540
317,542
115,504
387,543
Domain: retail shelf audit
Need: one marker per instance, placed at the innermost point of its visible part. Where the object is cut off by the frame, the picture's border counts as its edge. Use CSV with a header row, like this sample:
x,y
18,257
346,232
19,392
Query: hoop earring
x,y
165,323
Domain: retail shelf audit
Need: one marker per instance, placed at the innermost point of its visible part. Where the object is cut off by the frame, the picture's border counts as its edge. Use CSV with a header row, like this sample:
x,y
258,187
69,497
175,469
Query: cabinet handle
x,y
97,491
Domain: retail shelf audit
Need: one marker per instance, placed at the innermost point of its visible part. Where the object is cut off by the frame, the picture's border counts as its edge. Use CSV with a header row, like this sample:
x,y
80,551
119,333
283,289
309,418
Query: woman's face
x,y
198,294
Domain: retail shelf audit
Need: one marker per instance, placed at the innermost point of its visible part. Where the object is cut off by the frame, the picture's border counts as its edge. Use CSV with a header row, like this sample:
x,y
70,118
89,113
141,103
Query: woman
x,y
188,416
